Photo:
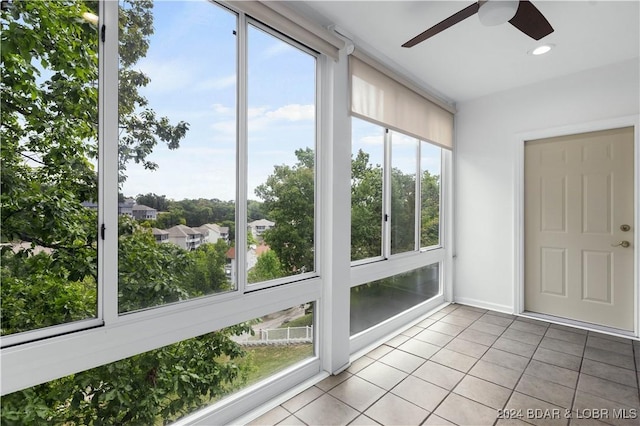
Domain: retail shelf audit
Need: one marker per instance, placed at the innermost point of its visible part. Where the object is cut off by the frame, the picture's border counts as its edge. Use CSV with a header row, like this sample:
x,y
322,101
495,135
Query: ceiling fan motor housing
x,y
497,12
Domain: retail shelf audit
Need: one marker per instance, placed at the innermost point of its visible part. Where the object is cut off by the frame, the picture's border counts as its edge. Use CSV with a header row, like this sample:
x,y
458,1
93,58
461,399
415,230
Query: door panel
x,y
578,193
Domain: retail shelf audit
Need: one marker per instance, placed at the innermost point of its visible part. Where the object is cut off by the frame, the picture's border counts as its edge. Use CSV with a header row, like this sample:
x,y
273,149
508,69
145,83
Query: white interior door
x,y
579,212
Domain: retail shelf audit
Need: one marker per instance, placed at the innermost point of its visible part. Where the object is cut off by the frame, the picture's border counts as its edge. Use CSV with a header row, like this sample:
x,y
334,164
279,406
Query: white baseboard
x,y
506,309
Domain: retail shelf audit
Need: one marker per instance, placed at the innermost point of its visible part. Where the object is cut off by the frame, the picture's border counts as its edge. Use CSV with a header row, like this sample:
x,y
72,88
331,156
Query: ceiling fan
x,y
521,14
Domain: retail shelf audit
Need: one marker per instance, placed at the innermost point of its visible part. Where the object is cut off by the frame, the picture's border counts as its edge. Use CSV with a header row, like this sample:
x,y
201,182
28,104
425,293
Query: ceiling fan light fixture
x,y
496,12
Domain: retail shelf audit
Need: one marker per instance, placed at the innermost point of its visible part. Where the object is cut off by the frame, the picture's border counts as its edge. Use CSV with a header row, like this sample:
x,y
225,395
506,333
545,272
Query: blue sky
x,y
192,66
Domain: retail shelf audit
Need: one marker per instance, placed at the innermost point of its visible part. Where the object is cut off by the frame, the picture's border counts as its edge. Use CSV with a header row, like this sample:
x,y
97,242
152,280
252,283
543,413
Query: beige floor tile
x,y
560,359
515,347
357,393
607,389
393,410
271,417
553,373
417,347
446,328
506,359
535,411
302,399
433,337
496,374
292,421
609,372
463,411
454,360
332,381
475,350
484,392
327,410
438,374
434,420
402,360
421,393
546,391
382,375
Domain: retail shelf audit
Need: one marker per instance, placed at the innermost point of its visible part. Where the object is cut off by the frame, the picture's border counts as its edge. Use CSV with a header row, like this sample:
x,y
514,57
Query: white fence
x,y
278,336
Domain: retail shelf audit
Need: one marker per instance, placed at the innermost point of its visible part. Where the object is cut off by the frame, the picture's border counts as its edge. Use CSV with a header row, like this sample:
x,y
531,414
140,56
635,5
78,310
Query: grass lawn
x,y
268,360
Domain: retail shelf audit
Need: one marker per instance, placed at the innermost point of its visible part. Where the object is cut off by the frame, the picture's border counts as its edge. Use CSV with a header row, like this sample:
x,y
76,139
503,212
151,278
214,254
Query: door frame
x,y
518,222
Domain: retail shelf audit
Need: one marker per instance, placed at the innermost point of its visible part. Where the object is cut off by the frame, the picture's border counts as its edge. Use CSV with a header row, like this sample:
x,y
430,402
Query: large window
x,y
148,149
366,190
392,212
281,119
184,164
49,192
177,154
377,301
165,384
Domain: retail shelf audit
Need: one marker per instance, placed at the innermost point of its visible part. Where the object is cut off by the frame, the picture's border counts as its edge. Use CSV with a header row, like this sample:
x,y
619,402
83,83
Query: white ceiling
x,y
469,60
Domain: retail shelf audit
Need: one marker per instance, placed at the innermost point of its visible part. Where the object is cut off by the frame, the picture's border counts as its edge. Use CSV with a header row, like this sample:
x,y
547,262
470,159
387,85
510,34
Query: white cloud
x,y
217,83
166,76
220,109
293,112
371,140
276,49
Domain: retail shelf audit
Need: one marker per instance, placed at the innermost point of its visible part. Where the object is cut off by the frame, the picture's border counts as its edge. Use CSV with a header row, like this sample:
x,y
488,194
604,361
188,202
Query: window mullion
x,y
242,161
108,164
418,196
386,197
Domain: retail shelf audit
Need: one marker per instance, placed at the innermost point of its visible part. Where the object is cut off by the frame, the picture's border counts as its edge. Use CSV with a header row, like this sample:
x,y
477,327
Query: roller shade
x,y
279,17
381,99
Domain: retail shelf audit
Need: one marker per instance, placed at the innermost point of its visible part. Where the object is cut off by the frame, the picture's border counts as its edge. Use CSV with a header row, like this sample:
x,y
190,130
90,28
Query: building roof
x,y
261,222
157,231
142,207
182,231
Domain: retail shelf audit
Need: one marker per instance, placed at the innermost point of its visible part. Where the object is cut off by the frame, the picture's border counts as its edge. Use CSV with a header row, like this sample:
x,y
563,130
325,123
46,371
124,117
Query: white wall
x,y
486,136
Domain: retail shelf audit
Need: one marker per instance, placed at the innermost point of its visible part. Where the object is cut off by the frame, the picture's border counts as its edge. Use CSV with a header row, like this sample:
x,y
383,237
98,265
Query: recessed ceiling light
x,y
541,50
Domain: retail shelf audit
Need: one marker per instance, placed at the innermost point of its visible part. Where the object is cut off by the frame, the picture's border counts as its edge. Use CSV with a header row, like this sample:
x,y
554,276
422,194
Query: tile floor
x,y
468,366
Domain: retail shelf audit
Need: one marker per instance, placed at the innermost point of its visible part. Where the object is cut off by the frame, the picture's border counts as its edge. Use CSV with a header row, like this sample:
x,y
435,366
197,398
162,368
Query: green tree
x,y
49,115
162,384
403,211
267,267
288,196
430,210
158,202
206,275
366,207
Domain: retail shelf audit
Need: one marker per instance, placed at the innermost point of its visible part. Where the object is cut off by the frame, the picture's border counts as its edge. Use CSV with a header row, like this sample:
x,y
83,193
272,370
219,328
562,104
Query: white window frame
x,y
62,350
372,269
387,217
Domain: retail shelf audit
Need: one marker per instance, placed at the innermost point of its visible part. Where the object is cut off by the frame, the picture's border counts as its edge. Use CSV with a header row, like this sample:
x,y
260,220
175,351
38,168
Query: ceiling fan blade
x,y
450,21
531,21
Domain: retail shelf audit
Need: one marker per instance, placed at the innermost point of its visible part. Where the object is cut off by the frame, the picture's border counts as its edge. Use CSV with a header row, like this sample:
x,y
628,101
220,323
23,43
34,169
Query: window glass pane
x,y
177,146
49,149
162,385
430,169
404,154
377,301
366,189
281,158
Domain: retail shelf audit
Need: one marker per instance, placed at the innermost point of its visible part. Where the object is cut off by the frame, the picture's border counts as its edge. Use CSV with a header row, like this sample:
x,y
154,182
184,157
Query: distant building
x,y
142,212
126,208
185,237
213,232
258,227
160,235
253,254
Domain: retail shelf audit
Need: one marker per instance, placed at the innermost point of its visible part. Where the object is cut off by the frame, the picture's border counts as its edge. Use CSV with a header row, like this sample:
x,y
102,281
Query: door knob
x,y
624,244
625,228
